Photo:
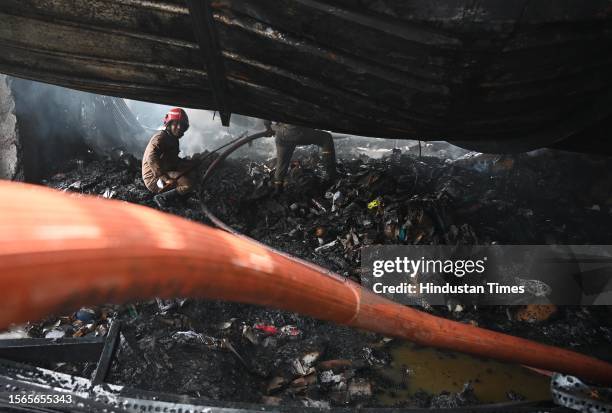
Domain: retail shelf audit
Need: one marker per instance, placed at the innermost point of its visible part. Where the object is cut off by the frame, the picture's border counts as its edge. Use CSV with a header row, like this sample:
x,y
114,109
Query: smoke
x,y
205,131
49,129
57,124
97,121
351,146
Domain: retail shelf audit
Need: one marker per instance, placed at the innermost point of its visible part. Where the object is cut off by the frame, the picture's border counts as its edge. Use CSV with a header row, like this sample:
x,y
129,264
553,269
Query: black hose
x,y
222,225
235,145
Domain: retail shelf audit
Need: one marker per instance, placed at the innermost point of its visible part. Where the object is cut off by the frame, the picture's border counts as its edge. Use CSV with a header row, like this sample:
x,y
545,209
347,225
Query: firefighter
x,y
288,137
163,172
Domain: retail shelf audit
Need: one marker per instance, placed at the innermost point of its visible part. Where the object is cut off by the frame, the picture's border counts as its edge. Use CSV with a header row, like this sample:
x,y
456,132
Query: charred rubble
x,y
242,353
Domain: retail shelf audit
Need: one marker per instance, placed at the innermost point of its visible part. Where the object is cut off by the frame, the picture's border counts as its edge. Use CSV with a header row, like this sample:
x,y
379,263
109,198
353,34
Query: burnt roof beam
x,y
208,39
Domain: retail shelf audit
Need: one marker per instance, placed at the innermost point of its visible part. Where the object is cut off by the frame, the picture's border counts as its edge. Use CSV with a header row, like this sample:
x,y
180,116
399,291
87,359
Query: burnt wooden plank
x,y
164,19
52,350
450,15
205,31
410,48
95,42
107,354
485,71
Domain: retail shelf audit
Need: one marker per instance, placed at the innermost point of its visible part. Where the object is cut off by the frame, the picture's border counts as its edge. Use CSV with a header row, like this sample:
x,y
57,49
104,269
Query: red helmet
x,y
179,115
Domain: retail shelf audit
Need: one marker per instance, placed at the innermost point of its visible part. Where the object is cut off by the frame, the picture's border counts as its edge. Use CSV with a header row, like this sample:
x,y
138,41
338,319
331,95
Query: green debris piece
x,y
132,311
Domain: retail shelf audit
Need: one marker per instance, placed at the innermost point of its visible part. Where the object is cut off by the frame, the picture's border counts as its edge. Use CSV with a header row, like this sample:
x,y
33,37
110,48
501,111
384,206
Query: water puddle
x,y
416,368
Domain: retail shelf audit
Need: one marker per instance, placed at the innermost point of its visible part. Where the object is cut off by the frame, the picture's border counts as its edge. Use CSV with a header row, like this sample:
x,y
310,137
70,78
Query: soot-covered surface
x,y
243,353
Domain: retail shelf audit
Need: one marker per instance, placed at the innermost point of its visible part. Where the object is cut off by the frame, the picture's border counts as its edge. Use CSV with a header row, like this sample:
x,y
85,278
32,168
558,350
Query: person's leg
x,y
184,181
170,193
328,152
184,185
284,152
152,187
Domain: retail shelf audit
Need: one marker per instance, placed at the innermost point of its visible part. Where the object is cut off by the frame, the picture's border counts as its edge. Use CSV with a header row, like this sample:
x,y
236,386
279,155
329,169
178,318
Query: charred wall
x,y
43,126
49,128
10,147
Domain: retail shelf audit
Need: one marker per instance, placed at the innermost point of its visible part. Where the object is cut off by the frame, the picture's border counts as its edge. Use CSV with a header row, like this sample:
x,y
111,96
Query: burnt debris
x,y
224,351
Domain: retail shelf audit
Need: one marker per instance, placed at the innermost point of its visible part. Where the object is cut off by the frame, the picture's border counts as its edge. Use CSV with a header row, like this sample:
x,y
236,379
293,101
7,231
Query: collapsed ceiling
x,y
493,75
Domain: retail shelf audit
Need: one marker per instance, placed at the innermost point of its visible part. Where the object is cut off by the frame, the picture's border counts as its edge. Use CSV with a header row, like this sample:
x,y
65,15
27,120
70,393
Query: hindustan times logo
x,y
431,266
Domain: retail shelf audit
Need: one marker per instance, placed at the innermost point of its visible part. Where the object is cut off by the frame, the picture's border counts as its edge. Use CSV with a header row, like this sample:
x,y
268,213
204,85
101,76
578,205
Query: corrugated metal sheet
x,y
521,73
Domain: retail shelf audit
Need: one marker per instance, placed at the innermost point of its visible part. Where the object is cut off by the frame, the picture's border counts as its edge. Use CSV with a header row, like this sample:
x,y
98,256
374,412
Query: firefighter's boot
x,y
165,199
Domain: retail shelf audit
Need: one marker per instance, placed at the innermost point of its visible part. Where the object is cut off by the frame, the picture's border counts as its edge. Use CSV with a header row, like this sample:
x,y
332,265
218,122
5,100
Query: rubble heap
x,y
541,198
237,352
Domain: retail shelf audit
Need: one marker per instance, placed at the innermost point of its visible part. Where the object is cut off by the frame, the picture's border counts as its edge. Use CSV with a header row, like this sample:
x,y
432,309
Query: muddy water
x,y
416,368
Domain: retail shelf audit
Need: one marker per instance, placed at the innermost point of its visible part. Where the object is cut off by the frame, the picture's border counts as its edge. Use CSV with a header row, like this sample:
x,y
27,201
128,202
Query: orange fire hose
x,y
58,252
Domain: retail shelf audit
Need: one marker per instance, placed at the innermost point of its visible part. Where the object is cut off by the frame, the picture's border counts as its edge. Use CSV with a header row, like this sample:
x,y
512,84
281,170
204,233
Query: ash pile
x,y
225,351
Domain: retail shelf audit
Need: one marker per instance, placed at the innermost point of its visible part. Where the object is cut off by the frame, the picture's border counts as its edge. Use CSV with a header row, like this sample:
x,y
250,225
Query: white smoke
x,y
205,131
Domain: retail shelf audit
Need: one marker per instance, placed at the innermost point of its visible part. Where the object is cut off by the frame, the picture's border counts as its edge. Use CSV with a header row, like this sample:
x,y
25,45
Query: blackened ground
x,y
241,353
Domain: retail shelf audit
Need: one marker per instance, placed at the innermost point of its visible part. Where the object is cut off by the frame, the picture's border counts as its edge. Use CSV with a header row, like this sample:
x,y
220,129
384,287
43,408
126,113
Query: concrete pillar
x,y
11,165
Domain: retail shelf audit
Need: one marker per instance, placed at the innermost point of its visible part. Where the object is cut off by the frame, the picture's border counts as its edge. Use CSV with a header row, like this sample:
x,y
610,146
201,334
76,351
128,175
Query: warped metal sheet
x,y
503,74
